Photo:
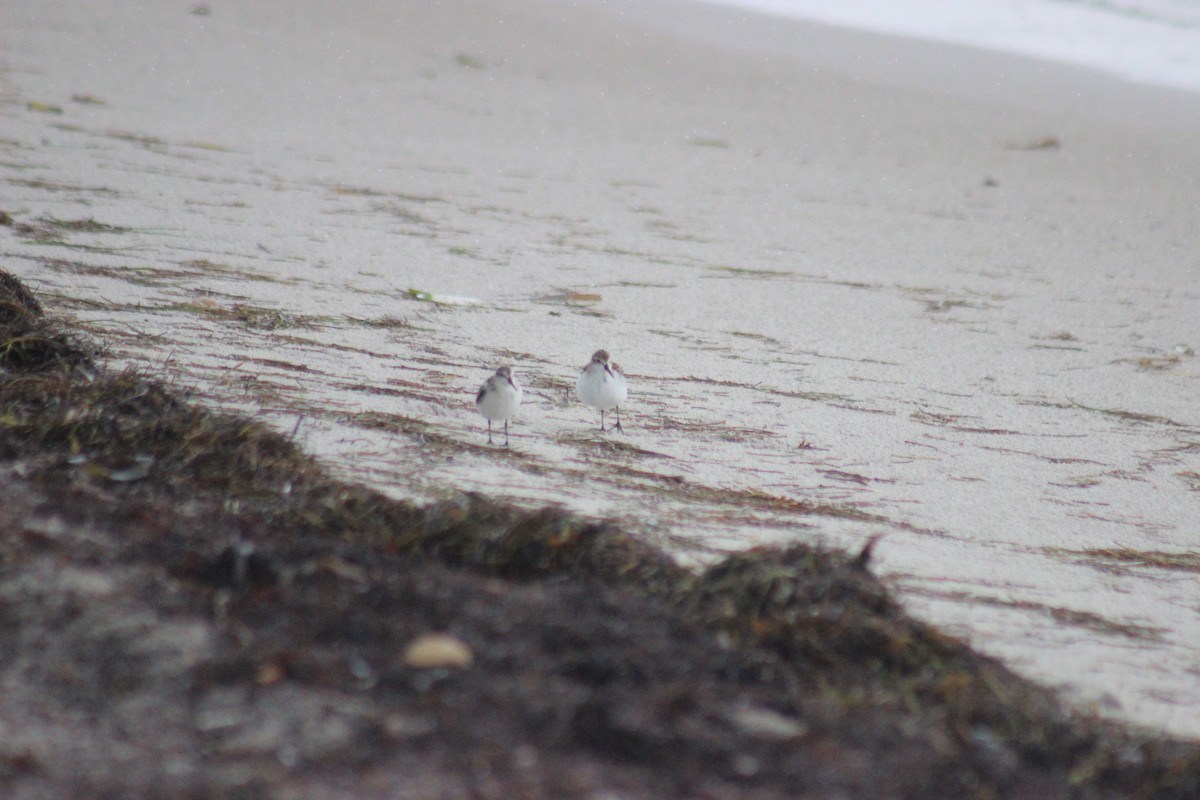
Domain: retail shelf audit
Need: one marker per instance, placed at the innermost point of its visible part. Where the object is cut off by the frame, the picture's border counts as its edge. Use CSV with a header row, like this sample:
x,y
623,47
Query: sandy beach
x,y
859,285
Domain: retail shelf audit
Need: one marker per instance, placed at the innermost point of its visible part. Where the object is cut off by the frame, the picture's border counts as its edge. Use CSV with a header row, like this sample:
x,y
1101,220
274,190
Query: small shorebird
x,y
602,386
498,399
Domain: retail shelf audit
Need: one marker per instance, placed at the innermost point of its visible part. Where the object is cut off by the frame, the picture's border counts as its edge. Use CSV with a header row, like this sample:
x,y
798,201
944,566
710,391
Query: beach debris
x,y
1044,143
270,673
765,723
443,299
251,316
570,297
339,568
137,471
1191,479
434,650
43,108
1155,363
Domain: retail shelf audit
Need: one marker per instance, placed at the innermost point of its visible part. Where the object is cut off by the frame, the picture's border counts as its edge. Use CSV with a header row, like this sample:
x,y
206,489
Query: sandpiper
x,y
602,386
498,399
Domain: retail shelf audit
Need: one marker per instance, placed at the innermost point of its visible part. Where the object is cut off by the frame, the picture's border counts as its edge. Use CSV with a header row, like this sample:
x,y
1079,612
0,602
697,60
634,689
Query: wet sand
x,y
853,294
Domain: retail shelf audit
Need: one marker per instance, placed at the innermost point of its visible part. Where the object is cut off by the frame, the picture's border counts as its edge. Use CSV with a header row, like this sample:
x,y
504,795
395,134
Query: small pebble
x,y
765,723
432,650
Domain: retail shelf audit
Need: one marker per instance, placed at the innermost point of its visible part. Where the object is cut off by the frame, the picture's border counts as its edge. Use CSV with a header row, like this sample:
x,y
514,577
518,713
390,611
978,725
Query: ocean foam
x,y
1148,41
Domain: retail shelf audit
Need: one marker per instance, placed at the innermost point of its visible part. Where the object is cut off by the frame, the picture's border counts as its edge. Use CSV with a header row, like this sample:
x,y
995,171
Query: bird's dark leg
x,y
506,433
602,419
618,425
489,431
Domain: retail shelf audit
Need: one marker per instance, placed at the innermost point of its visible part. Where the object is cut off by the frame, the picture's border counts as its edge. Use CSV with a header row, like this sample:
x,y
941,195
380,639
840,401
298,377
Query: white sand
x,y
786,235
